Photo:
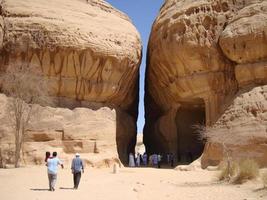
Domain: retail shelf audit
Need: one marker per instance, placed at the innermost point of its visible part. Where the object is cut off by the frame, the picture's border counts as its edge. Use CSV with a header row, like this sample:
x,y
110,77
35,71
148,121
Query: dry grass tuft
x,y
239,172
264,179
226,172
247,170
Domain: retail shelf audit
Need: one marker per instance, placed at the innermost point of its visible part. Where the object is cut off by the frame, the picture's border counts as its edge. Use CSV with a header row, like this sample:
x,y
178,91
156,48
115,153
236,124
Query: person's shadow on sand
x,y
66,188
39,189
42,189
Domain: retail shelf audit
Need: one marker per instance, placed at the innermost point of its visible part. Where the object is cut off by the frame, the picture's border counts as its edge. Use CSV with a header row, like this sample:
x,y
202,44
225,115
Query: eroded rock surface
x,y
89,52
200,54
246,120
88,132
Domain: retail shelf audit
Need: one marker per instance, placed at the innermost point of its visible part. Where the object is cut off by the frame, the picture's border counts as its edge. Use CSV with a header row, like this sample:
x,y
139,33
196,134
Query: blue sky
x,y
142,13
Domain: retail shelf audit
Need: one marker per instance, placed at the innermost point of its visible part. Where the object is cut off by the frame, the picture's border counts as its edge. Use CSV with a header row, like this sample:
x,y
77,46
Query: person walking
x,y
144,158
52,168
172,159
131,160
77,169
138,160
168,158
159,160
154,159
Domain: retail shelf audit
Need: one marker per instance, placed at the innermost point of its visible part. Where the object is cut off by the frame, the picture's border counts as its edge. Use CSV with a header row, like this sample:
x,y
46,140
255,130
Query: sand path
x,y
130,183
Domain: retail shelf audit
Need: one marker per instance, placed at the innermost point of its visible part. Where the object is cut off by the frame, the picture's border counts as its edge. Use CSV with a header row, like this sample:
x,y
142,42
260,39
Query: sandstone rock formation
x,y
89,52
91,133
246,120
200,54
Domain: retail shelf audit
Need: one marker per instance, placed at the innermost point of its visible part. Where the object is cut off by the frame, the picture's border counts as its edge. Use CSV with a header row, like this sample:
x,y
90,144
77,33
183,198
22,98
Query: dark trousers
x,y
76,179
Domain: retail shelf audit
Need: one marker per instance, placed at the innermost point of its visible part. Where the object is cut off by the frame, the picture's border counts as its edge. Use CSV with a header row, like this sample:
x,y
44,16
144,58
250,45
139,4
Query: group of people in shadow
x,y
155,160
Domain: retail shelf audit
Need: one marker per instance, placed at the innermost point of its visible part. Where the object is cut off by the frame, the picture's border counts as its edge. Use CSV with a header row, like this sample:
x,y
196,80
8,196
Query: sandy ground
x,y
129,183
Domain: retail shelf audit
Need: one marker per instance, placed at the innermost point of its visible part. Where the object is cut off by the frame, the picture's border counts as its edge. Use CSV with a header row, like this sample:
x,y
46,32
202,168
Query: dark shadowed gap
x,y
142,14
189,146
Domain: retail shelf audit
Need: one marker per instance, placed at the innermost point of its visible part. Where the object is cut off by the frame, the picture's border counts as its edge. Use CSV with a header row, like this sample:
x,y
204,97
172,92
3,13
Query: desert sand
x,y
129,183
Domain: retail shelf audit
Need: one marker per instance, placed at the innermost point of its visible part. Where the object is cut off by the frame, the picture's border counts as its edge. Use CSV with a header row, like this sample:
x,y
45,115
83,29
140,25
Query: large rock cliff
x,y
89,52
200,54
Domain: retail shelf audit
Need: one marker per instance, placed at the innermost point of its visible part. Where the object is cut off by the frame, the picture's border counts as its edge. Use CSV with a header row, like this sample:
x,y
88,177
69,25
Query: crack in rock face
x,y
87,50
200,54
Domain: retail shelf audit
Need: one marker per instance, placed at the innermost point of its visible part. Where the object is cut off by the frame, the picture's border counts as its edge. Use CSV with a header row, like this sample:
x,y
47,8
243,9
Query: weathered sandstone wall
x,y
246,120
92,133
89,52
200,54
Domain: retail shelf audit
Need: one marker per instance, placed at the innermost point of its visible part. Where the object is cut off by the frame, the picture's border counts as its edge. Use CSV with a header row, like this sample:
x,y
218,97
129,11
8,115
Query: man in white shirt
x,y
52,167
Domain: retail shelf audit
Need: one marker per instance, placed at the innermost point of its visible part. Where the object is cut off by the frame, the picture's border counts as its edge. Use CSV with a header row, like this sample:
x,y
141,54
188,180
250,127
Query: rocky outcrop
x,y
89,52
88,132
245,120
200,54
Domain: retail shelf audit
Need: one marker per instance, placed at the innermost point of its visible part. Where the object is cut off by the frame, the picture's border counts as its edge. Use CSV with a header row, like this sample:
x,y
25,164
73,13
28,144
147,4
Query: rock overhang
x,y
88,51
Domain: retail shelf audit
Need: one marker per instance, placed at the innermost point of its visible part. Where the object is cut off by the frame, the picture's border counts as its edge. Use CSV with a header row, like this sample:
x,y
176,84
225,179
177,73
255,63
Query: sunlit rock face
x,y
245,120
200,54
89,51
92,133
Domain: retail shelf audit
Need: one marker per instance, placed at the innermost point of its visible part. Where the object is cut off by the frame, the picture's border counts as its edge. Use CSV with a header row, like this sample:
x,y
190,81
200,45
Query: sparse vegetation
x,y
1,159
264,179
232,169
26,89
223,137
227,172
247,170
239,172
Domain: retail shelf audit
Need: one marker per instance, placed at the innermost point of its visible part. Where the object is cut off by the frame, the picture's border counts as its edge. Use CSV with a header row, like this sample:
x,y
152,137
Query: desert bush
x,y
238,172
247,170
26,90
264,179
227,170
1,159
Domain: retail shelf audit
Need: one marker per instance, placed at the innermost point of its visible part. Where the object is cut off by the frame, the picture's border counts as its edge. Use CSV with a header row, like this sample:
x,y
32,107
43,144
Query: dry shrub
x,y
1,159
264,179
227,170
247,170
27,89
239,172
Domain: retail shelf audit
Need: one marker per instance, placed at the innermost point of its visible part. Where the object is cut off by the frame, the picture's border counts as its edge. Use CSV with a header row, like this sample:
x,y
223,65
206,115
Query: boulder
x,y
88,51
200,55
